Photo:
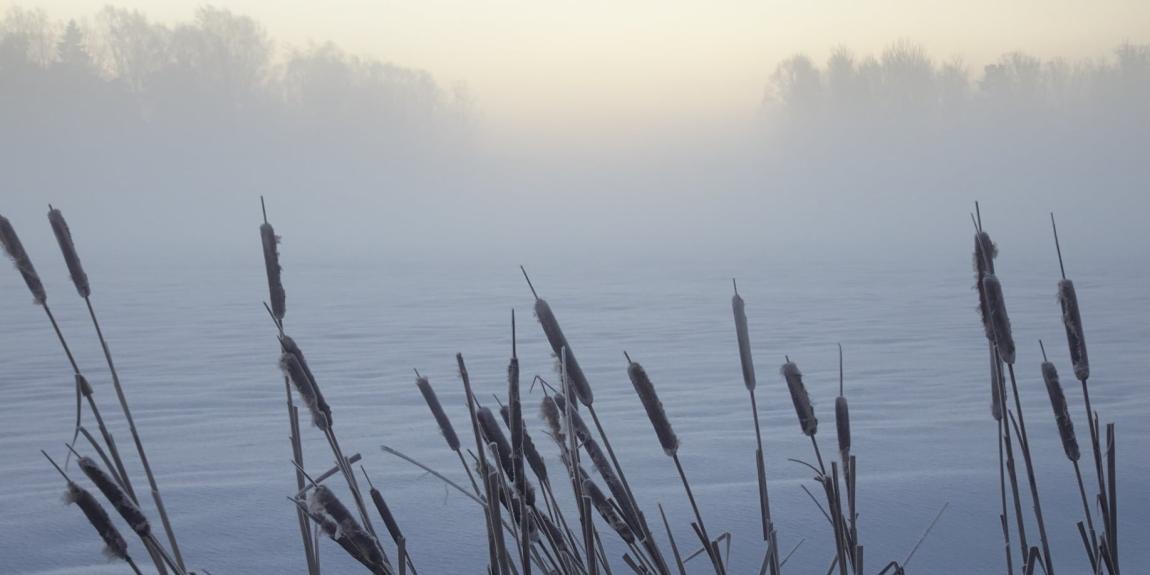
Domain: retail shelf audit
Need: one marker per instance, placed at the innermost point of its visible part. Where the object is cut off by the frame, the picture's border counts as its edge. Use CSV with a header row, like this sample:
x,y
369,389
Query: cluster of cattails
x,y
119,491
1101,549
526,528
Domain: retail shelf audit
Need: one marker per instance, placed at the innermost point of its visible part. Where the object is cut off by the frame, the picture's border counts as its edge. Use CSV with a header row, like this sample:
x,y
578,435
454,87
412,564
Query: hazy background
x,y
623,131
635,157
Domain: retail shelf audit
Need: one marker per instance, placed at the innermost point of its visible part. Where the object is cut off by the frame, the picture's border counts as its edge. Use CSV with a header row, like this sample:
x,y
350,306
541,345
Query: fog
x,y
161,135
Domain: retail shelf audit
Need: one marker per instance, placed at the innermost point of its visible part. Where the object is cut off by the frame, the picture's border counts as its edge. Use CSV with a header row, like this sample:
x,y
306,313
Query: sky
x,y
564,66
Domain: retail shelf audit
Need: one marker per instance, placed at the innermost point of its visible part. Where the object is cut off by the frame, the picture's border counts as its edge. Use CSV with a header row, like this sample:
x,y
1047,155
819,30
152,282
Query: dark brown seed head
x,y
534,459
339,524
646,391
799,397
20,259
272,265
607,511
1075,336
293,369
385,514
996,388
744,338
114,544
437,411
115,496
843,424
1061,411
71,258
999,320
558,343
984,253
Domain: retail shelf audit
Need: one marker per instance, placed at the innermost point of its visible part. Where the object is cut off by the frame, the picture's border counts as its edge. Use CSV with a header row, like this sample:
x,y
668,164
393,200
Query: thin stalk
x,y
715,557
1030,475
159,500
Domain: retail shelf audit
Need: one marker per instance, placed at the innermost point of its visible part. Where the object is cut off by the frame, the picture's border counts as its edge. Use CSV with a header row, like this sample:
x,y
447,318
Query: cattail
x,y
552,415
999,320
799,397
530,452
654,408
116,496
272,264
385,514
843,426
71,258
293,369
1075,336
995,387
441,418
559,343
338,523
607,511
114,544
19,257
984,253
744,341
291,347
85,387
493,435
1061,411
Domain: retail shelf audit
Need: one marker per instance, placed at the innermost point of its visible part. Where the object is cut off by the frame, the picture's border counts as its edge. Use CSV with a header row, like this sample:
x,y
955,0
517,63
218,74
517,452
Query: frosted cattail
x,y
493,435
646,391
530,452
1061,411
291,347
436,408
999,320
552,416
744,341
1075,336
114,544
984,254
293,369
995,388
338,523
272,264
71,258
607,511
19,257
802,401
843,426
385,514
116,496
559,343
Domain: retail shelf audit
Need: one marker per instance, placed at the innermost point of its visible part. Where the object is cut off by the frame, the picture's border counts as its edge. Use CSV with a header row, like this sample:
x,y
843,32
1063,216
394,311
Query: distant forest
x,y
211,101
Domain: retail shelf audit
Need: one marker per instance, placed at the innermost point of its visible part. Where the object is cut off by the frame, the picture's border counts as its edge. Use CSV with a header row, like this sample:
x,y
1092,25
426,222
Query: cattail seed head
x,y
551,414
1075,336
607,511
802,401
843,425
437,411
309,393
291,347
493,435
559,343
534,459
272,264
85,387
999,320
339,524
1061,411
114,544
744,338
984,254
71,258
646,391
116,496
386,515
20,259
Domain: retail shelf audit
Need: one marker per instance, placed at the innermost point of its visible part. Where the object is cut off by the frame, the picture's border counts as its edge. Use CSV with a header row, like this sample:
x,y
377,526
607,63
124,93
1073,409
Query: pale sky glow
x,y
553,65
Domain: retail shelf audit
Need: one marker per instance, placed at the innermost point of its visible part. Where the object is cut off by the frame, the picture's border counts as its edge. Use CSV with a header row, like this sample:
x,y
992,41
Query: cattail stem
x,y
716,559
1031,478
496,565
159,500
